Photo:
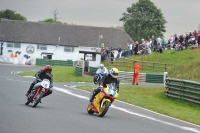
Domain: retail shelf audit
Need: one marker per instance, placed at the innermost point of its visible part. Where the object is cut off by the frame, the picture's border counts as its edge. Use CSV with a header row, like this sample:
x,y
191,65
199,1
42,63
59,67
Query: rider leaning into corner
x,y
103,69
42,74
111,77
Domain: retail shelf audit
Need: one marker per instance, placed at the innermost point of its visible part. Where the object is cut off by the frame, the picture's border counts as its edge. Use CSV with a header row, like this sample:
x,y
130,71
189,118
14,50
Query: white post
x,y
165,76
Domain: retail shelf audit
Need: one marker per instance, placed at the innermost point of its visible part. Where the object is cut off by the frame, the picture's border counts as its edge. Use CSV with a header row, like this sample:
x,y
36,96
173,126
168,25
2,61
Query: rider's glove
x,y
100,86
39,80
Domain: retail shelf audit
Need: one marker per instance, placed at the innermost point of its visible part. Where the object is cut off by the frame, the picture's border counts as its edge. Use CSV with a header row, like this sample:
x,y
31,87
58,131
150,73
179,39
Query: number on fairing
x,y
45,83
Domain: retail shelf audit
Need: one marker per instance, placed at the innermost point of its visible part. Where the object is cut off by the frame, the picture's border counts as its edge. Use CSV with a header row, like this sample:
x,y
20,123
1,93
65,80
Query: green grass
x,y
62,74
154,98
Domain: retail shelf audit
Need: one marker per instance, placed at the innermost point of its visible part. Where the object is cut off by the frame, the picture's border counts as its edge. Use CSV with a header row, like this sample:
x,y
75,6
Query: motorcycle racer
x,y
40,75
102,70
112,77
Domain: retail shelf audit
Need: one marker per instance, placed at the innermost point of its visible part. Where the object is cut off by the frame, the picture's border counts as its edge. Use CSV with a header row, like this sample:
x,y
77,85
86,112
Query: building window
x,y
41,47
10,45
17,45
14,45
68,49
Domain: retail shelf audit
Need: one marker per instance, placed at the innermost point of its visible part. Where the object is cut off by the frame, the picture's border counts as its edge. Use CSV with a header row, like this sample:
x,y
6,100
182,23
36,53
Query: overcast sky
x,y
181,15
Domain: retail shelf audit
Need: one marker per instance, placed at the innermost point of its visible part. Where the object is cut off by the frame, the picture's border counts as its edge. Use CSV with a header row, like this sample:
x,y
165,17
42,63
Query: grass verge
x,y
62,74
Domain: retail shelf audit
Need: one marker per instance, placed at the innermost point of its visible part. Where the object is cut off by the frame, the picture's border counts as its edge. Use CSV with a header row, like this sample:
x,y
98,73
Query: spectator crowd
x,y
154,44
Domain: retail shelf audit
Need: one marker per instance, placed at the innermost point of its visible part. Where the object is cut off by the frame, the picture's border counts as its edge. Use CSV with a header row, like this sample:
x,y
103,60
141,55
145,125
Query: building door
x,y
49,56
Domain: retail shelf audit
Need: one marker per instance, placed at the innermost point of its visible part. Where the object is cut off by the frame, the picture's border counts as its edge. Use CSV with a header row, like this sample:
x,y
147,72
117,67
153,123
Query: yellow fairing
x,y
97,100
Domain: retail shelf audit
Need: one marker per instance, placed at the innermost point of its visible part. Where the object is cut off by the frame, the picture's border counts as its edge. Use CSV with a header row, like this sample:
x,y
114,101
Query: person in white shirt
x,y
131,48
103,70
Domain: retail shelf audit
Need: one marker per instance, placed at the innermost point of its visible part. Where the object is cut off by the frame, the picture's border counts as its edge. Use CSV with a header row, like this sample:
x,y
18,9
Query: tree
x,y
9,14
143,20
54,19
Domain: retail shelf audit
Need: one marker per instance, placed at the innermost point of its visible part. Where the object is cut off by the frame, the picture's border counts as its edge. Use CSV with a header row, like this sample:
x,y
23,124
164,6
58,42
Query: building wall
x,y
58,53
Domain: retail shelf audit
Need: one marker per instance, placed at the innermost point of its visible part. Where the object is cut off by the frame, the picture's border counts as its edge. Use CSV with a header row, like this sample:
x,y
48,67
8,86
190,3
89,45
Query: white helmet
x,y
101,65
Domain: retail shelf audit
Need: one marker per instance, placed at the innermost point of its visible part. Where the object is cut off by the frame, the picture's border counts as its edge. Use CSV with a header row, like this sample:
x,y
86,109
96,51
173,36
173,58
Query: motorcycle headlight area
x,y
45,83
111,92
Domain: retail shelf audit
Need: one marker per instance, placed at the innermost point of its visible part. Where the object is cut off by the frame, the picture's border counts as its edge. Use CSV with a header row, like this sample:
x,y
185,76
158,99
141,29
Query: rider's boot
x,y
29,90
96,91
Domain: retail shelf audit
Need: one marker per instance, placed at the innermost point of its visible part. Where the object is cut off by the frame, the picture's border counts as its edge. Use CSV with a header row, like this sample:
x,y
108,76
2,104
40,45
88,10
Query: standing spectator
x,y
123,53
131,48
159,42
171,39
154,44
112,53
175,38
119,51
199,37
136,68
127,50
181,39
163,43
196,35
187,38
136,47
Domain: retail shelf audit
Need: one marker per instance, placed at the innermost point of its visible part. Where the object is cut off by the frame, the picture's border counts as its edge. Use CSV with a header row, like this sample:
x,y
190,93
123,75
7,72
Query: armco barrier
x,y
92,70
183,89
149,78
43,62
78,71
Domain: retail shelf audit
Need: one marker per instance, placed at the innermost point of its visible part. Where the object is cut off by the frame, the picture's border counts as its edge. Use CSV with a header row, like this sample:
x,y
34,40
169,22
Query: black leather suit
x,y
40,76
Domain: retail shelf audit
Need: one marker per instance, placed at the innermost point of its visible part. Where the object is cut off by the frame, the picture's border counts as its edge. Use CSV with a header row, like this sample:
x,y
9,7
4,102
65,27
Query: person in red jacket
x,y
136,73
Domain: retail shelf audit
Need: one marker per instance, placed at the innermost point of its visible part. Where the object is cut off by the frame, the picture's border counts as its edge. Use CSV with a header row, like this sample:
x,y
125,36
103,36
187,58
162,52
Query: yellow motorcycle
x,y
103,100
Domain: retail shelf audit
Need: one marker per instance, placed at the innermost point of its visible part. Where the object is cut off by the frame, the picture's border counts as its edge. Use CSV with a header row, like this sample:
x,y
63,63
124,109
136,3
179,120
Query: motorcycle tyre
x,y
37,100
29,99
89,109
106,104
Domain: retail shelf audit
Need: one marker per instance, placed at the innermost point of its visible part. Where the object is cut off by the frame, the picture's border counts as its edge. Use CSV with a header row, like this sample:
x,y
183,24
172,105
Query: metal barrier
x,y
183,89
43,62
79,71
92,70
144,77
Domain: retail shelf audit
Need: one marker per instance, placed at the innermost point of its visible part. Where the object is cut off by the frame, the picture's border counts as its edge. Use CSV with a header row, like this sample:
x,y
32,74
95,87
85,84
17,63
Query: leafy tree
x,y
143,20
9,14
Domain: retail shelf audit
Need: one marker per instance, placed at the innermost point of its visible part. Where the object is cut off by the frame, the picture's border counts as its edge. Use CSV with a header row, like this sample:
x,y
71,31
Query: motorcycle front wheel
x,y
28,100
37,100
104,108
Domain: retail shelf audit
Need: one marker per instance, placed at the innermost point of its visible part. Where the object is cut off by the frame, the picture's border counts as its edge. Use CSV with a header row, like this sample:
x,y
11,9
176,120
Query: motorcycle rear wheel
x,y
37,100
89,109
104,109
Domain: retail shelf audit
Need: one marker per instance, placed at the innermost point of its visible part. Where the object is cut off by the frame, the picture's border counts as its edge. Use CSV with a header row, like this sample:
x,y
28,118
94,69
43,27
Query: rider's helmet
x,y
101,66
114,72
48,68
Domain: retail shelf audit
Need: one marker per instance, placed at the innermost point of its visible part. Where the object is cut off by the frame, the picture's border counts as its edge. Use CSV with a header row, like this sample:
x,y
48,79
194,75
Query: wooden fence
x,y
128,63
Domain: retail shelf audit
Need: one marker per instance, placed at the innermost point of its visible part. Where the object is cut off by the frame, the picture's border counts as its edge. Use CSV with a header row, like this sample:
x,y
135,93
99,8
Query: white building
x,y
54,41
